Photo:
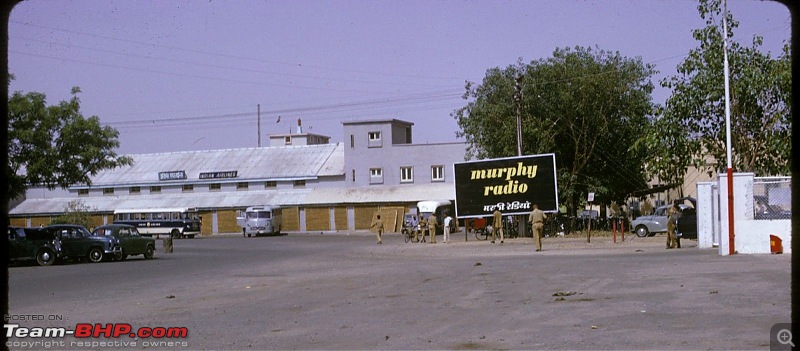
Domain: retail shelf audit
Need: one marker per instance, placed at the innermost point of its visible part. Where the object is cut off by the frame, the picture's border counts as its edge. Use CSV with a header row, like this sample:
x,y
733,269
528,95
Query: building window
x,y
270,184
214,187
406,174
437,173
83,192
155,189
188,188
135,190
299,183
354,174
352,141
376,176
287,140
108,191
241,186
374,139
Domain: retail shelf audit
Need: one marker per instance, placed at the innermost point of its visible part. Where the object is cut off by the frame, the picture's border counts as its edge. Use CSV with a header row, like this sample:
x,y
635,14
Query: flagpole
x,y
731,249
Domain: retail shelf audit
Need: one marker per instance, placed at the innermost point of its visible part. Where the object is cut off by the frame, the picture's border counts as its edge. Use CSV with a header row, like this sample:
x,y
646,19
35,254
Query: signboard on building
x,y
511,185
172,175
219,175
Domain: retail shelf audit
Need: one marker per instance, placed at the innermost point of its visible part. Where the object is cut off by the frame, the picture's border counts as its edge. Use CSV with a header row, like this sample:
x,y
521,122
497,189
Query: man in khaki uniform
x,y
537,218
432,227
497,226
378,225
423,227
674,212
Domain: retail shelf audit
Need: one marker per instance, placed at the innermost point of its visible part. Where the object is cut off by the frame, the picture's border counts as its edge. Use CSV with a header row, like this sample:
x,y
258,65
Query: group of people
x,y
536,218
430,224
422,226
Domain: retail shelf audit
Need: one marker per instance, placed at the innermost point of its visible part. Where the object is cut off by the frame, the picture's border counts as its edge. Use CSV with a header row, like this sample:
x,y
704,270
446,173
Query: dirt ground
x,y
343,292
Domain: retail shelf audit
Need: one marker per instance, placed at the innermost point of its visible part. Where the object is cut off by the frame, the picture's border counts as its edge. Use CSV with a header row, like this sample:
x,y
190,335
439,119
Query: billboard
x,y
511,185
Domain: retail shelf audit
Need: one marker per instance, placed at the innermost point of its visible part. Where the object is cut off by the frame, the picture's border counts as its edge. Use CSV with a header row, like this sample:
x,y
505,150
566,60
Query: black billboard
x,y
511,185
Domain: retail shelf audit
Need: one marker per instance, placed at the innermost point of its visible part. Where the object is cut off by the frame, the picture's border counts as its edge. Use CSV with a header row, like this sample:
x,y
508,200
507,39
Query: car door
x,y
18,245
660,220
74,241
130,246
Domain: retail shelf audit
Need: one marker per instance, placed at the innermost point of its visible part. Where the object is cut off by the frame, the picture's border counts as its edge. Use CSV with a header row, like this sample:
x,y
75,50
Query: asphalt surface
x,y
339,291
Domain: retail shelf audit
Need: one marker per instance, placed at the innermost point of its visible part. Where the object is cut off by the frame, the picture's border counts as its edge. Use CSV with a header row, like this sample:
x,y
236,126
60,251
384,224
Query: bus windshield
x,y
259,214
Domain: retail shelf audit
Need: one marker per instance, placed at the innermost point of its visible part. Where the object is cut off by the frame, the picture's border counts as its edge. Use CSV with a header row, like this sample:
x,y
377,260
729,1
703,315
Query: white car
x,y
651,224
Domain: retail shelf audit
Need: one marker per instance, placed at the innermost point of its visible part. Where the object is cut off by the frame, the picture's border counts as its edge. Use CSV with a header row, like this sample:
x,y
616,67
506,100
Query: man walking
x,y
378,225
537,218
497,226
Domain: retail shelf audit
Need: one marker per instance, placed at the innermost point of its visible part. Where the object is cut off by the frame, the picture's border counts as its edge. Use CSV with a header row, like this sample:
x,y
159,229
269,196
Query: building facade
x,y
320,186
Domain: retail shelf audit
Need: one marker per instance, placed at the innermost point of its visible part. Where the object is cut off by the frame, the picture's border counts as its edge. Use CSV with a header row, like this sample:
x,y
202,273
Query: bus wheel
x,y
175,234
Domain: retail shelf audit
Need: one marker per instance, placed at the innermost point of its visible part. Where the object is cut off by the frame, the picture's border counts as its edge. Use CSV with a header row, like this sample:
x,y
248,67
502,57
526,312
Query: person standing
x,y
447,222
674,212
497,226
414,228
423,227
432,224
537,218
377,223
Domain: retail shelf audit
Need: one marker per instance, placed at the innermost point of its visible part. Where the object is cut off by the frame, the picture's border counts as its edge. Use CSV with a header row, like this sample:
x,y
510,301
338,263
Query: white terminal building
x,y
320,186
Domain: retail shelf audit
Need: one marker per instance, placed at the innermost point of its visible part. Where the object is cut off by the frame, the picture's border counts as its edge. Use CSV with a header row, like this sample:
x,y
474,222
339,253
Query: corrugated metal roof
x,y
251,163
410,193
406,193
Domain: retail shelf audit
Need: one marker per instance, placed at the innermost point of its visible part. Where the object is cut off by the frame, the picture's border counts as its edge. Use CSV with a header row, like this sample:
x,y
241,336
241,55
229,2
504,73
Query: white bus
x,y
179,222
262,220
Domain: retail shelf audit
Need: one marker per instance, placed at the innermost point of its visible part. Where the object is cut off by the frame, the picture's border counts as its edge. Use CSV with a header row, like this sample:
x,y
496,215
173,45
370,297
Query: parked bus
x,y
175,222
261,220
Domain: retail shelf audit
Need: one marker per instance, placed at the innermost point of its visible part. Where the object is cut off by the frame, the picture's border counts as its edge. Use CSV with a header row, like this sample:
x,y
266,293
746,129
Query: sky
x,y
188,75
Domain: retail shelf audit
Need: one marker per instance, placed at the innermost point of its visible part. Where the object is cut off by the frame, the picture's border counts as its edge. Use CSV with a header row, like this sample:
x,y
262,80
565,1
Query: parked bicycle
x,y
482,231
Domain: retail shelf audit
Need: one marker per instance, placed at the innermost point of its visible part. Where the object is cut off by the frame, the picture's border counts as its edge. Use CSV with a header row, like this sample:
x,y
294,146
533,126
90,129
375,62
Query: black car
x,y
687,223
28,244
77,243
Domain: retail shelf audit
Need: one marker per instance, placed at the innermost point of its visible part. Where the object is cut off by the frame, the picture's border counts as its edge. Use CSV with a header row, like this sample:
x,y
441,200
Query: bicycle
x,y
412,235
482,231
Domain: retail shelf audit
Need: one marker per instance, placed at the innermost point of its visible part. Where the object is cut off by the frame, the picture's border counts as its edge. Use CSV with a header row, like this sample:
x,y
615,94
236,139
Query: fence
x,y
772,198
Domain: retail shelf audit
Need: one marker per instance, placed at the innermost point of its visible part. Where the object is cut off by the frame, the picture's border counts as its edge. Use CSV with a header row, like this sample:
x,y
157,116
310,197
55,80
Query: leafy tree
x,y
691,130
76,212
586,106
56,145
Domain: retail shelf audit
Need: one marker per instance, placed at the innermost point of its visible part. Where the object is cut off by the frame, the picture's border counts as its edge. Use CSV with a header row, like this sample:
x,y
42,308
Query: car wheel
x,y
641,231
96,255
148,253
120,256
45,257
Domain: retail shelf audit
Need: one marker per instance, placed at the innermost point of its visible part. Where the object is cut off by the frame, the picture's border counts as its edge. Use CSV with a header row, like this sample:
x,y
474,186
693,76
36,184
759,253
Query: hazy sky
x,y
188,75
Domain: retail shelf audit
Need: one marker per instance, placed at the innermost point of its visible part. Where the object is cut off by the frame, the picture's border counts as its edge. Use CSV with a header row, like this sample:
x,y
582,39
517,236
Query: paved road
x,y
312,291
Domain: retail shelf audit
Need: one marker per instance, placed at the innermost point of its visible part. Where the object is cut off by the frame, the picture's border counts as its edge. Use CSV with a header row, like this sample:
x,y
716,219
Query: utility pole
x,y
259,124
731,246
518,102
521,223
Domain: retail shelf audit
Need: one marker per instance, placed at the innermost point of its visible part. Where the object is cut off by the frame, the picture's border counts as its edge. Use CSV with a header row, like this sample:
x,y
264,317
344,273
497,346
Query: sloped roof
x,y
285,162
409,193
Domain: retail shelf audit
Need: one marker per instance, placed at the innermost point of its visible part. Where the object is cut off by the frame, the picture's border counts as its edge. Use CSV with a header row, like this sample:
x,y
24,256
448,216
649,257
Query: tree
x,y
691,130
585,106
76,212
56,145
